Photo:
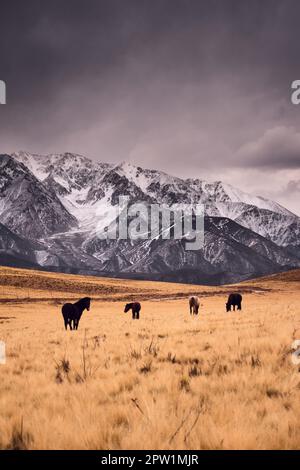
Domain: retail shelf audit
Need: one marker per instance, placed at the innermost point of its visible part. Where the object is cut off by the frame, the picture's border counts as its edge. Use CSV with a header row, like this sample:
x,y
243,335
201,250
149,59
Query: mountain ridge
x,y
245,235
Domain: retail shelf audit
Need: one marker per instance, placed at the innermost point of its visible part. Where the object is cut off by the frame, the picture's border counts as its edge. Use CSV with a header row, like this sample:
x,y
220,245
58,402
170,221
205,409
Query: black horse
x,y
234,300
135,307
72,312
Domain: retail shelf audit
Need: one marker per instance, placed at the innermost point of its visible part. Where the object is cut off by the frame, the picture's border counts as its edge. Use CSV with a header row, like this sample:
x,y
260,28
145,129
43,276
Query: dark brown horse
x,y
135,307
194,303
72,312
234,300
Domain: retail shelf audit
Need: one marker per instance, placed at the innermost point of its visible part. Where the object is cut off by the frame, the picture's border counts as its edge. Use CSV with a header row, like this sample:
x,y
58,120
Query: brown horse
x,y
135,307
194,303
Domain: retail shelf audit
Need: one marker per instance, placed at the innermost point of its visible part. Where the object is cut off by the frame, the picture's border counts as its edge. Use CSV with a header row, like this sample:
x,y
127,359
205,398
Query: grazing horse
x,y
194,303
72,312
135,307
234,300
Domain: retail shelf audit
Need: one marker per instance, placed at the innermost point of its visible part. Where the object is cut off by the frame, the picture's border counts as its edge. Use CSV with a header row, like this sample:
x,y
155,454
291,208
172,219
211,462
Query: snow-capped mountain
x,y
60,200
73,172
27,207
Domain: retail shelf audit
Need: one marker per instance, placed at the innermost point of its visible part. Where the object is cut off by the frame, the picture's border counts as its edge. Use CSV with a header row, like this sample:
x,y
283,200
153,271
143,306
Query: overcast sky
x,y
195,88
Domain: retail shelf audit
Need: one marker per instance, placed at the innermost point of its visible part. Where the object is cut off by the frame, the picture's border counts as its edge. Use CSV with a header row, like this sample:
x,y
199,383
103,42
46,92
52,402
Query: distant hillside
x,y
29,285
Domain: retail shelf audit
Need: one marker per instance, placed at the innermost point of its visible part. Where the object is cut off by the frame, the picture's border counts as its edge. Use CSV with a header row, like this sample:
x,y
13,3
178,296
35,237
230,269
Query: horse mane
x,y
128,306
82,302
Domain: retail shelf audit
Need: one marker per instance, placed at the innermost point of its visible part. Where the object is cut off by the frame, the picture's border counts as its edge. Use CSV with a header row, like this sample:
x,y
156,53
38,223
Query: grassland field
x,y
167,381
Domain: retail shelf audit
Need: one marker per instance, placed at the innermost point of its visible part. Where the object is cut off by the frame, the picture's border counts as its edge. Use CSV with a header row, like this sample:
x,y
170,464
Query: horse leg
x,y
138,315
66,324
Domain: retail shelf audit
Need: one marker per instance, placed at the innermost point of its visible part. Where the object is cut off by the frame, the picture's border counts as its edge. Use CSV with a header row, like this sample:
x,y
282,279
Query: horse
x,y
72,312
234,300
135,307
194,303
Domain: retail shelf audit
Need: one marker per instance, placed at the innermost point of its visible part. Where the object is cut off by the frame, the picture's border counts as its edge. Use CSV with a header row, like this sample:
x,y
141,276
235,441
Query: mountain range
x,y
51,206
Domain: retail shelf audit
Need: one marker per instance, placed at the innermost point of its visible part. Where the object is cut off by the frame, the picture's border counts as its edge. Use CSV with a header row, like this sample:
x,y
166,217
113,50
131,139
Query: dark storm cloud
x,y
182,85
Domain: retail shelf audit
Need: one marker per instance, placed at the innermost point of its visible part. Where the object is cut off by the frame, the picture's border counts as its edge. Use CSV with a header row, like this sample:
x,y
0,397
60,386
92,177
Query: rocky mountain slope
x,y
27,206
61,201
16,251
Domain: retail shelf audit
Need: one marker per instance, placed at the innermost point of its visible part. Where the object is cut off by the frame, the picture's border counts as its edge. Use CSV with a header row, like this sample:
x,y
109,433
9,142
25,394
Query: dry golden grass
x,y
167,381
